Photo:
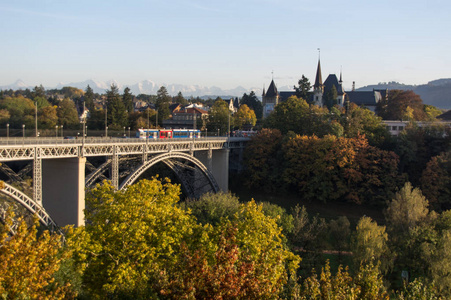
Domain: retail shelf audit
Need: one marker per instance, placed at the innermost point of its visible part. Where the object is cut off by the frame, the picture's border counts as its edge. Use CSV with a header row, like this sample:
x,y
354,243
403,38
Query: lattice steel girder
x,y
170,155
30,205
8,153
37,177
10,173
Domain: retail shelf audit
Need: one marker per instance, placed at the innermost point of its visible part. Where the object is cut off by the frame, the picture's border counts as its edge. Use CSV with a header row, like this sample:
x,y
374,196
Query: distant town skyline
x,y
223,43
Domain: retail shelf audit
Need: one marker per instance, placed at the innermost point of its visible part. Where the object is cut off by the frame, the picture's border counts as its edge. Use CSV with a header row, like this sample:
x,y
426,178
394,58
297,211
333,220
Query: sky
x,y
224,43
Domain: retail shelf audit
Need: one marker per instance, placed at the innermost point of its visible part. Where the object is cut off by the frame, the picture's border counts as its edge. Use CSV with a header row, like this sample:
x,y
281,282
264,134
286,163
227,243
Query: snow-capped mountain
x,y
148,87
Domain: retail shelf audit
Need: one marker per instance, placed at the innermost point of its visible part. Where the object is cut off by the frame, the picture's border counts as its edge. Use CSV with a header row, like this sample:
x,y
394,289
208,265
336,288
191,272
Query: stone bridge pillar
x,y
63,189
217,162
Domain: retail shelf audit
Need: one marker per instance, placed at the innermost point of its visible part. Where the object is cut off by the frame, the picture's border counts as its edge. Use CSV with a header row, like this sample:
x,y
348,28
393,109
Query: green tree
x,y
127,98
38,91
211,208
310,235
89,98
436,181
21,111
253,103
369,244
218,117
67,114
303,88
180,99
290,115
361,121
162,104
117,115
131,237
262,158
330,97
408,209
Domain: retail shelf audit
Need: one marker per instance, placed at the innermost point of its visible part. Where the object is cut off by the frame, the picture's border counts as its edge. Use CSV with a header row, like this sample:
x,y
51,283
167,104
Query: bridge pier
x,y
217,162
63,189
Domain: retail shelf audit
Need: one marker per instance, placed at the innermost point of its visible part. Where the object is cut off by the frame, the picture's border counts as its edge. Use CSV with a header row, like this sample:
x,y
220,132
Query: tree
x,y
67,114
211,208
262,160
243,257
38,91
21,111
117,115
47,117
89,98
218,117
407,209
180,99
290,115
29,263
330,97
394,107
127,98
244,116
361,121
303,88
253,103
436,181
162,104
308,234
369,244
432,112
131,237
339,234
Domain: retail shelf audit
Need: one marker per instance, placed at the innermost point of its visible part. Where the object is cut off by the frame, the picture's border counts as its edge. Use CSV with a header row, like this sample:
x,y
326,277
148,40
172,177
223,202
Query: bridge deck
x,y
28,148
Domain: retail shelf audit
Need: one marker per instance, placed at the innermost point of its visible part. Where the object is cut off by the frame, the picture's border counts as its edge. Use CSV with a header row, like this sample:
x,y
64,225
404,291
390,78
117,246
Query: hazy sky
x,y
225,43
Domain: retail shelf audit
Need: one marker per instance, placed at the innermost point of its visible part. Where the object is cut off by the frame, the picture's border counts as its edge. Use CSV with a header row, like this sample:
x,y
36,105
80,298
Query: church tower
x,y
270,99
318,87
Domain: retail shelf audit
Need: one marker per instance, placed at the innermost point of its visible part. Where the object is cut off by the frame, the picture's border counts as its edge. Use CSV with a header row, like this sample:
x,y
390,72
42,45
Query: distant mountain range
x,y
148,87
436,92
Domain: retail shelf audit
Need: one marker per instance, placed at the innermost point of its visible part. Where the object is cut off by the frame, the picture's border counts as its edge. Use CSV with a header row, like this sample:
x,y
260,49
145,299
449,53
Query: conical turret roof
x,y
318,79
272,90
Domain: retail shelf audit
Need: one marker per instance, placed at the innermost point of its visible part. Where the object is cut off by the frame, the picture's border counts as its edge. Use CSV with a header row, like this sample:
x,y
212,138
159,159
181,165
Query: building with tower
x,y
270,99
327,93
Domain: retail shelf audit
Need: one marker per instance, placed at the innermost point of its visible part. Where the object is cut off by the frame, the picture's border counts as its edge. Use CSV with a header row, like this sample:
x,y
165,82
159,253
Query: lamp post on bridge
x,y
128,132
23,134
62,133
7,131
56,131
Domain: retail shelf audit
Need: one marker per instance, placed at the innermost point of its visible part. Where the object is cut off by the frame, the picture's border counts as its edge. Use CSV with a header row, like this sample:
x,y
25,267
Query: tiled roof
x,y
367,98
333,81
445,116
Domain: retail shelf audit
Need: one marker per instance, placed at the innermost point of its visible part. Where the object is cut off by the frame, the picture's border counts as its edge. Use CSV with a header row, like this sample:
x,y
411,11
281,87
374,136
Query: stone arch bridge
x,y
62,169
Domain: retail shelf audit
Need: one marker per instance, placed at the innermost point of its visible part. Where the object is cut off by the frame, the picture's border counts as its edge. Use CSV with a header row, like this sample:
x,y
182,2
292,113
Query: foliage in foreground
x,y
29,263
139,243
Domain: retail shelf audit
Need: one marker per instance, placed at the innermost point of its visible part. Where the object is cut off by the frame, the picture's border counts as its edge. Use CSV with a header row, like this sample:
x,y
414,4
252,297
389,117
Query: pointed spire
x,y
341,80
272,90
318,79
264,94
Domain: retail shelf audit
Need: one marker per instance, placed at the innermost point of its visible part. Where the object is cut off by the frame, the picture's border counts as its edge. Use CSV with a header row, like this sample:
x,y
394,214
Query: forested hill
x,y
436,92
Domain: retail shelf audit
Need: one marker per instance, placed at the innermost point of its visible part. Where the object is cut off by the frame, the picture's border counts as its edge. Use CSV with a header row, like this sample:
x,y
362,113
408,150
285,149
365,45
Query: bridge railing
x,y
98,140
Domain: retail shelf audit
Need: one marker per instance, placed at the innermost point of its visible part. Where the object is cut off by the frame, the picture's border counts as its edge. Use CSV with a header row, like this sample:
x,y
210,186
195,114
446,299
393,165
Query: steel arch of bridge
x,y
168,159
30,205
